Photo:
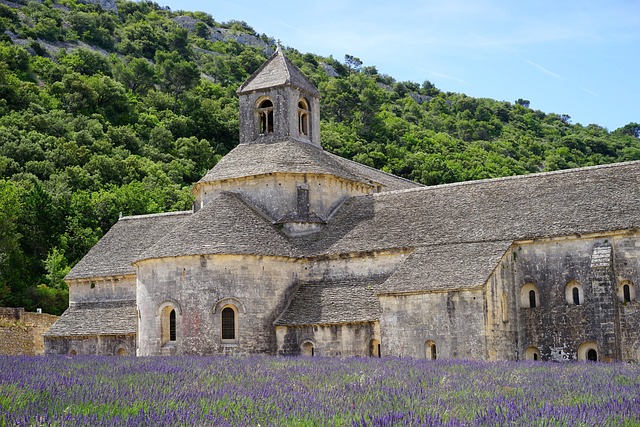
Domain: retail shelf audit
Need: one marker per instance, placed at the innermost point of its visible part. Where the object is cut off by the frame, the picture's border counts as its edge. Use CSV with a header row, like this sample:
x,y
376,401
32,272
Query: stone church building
x,y
291,250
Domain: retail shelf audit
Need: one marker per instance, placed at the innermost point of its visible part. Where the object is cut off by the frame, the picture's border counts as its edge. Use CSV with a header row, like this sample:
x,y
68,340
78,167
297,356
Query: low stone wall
x,y
21,332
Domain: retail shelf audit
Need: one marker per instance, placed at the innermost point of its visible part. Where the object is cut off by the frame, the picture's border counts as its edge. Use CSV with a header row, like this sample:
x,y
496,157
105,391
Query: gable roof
x,y
578,201
325,302
225,225
293,156
446,267
277,71
123,244
97,318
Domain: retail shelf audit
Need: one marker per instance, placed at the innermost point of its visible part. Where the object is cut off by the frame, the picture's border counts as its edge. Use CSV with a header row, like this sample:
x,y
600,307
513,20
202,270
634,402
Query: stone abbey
x,y
291,250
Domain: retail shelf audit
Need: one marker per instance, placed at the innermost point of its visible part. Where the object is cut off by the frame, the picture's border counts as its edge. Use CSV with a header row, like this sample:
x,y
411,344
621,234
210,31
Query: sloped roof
x,y
225,225
293,156
577,201
334,301
277,71
108,318
123,243
446,267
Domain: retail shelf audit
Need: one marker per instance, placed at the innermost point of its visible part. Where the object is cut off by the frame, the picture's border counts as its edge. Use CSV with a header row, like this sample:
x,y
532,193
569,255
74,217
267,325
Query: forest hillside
x,y
120,108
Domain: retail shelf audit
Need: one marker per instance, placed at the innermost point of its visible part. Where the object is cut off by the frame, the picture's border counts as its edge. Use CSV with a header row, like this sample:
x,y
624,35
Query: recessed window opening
x,y
265,117
532,299
228,324
529,296
168,324
592,355
532,353
303,117
574,294
374,348
626,289
430,350
308,349
172,325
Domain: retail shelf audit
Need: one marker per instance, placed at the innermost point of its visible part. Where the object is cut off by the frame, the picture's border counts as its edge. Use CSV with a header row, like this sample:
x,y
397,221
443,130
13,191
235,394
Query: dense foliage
x,y
104,113
357,392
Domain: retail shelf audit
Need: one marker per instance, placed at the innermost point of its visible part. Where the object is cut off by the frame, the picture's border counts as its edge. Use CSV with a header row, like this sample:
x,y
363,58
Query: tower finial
x,y
278,47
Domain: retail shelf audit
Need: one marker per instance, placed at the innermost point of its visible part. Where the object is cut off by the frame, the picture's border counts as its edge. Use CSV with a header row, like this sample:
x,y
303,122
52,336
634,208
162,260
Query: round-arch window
x,y
303,117
308,349
592,355
228,323
532,299
265,117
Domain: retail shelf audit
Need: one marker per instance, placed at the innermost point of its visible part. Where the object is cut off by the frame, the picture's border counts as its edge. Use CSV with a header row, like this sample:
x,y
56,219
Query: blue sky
x,y
580,58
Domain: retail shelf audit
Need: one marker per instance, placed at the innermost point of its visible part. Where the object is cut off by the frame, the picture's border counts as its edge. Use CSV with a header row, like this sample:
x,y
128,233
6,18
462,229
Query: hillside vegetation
x,y
105,113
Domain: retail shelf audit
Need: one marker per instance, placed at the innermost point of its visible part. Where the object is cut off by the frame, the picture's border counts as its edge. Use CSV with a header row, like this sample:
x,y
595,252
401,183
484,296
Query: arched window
x,y
303,117
172,325
374,348
529,296
626,291
228,322
265,117
576,296
573,293
307,349
532,299
168,324
588,351
532,353
430,350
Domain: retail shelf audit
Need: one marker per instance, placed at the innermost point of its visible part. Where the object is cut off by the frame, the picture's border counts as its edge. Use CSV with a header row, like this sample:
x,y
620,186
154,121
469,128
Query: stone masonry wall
x,y
21,332
345,340
112,345
556,326
453,320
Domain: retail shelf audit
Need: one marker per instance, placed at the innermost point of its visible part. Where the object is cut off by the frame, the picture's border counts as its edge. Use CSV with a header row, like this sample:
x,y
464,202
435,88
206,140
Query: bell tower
x,y
277,103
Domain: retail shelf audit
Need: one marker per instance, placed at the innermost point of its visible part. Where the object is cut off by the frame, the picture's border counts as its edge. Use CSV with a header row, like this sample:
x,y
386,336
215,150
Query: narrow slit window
x,y
626,289
172,325
576,296
532,299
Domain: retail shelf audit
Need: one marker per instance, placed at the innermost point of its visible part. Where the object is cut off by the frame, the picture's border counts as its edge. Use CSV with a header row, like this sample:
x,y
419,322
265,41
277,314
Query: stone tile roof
x,y
277,71
97,318
225,225
334,301
571,202
446,267
292,156
124,243
389,181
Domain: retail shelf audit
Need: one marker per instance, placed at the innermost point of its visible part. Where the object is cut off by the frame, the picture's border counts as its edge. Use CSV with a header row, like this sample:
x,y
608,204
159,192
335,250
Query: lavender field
x,y
266,391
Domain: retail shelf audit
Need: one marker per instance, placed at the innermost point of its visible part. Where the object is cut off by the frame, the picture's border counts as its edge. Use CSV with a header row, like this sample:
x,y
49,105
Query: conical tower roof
x,y
277,71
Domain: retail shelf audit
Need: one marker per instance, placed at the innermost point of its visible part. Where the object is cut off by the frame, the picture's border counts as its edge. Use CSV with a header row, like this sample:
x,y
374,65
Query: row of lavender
x,y
216,391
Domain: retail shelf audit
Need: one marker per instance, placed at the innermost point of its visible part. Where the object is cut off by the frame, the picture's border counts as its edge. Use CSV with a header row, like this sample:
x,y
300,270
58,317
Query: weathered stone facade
x,y
21,332
291,250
